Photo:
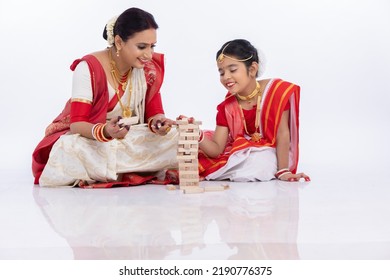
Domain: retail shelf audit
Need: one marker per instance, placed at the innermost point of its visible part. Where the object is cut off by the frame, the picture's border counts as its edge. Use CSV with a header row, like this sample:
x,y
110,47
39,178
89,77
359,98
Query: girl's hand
x,y
294,177
190,119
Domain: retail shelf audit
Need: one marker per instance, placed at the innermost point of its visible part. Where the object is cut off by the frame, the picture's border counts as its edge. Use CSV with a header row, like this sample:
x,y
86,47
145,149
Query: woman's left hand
x,y
162,125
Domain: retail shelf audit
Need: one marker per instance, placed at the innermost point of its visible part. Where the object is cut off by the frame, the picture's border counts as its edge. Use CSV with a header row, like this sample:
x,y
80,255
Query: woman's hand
x,y
115,130
161,125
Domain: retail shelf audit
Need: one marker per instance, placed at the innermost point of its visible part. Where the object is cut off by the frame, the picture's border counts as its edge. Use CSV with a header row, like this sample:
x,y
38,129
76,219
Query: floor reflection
x,y
247,221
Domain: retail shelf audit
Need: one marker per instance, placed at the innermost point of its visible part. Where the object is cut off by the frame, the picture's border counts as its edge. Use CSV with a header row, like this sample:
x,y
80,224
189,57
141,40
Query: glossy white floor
x,y
332,217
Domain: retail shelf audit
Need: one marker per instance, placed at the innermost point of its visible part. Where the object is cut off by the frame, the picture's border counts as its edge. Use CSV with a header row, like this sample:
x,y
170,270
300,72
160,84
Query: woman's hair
x,y
131,21
240,49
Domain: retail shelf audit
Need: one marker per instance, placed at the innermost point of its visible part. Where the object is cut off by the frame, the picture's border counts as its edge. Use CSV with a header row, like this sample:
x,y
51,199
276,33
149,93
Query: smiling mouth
x,y
229,85
143,61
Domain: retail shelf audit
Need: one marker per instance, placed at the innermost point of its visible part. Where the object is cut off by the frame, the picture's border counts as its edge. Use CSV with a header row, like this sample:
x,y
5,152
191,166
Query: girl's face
x,y
139,49
235,77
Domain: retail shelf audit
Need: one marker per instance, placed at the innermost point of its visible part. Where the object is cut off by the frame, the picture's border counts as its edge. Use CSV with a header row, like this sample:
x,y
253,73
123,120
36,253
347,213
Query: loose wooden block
x,y
189,190
216,188
129,121
170,187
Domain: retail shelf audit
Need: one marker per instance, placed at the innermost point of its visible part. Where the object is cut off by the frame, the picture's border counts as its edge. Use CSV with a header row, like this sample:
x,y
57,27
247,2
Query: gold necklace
x,y
121,80
256,136
250,96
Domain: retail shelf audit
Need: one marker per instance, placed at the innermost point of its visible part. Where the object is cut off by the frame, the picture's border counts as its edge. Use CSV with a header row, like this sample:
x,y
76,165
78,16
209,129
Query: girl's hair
x,y
131,21
240,49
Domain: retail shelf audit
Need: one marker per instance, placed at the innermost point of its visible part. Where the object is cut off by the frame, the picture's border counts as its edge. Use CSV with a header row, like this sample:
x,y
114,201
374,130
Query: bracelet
x,y
201,136
282,172
150,125
105,139
98,133
93,131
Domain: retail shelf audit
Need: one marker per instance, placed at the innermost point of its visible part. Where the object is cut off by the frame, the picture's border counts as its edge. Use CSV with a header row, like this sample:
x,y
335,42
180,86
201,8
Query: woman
x,y
256,137
113,123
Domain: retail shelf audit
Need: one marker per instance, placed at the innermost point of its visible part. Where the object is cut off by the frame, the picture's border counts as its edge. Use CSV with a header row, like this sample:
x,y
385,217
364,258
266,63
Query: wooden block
x,y
216,188
170,187
191,150
129,121
189,172
187,178
186,168
184,180
187,157
189,190
189,134
184,164
192,167
189,186
187,127
188,142
184,122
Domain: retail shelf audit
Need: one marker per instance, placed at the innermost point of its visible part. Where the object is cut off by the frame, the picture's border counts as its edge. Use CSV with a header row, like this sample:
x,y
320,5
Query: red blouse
x,y
249,115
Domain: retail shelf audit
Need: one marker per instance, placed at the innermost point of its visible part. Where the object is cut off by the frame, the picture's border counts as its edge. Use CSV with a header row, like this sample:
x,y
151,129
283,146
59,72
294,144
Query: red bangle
x,y
105,139
98,133
282,172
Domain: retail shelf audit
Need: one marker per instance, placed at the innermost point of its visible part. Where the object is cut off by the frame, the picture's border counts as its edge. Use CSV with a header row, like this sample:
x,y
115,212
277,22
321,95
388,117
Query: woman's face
x,y
234,76
139,49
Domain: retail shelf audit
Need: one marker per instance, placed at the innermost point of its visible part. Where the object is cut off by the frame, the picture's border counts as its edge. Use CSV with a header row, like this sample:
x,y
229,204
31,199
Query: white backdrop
x,y
336,50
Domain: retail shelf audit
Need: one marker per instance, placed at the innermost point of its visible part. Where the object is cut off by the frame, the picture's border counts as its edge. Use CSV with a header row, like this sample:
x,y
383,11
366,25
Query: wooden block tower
x,y
187,155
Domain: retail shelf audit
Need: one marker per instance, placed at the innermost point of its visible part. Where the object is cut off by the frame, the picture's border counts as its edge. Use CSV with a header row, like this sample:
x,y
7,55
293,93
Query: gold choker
x,y
250,96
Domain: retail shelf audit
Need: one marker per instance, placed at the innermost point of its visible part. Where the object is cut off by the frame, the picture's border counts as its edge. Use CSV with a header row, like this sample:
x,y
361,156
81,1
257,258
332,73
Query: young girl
x,y
256,137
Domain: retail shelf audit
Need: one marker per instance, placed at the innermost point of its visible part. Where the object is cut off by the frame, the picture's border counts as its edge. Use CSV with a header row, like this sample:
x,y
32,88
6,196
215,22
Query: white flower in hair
x,y
110,31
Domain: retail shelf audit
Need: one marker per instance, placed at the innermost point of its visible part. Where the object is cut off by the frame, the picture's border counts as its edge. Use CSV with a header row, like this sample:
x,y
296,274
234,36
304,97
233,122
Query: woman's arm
x,y
112,129
82,97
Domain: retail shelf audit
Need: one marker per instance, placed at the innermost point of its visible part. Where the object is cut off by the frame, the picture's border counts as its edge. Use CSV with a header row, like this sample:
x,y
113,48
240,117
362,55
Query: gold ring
x,y
168,129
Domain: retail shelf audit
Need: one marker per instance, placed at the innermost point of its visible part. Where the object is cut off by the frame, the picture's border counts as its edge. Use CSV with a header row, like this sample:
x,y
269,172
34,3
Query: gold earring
x,y
117,52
